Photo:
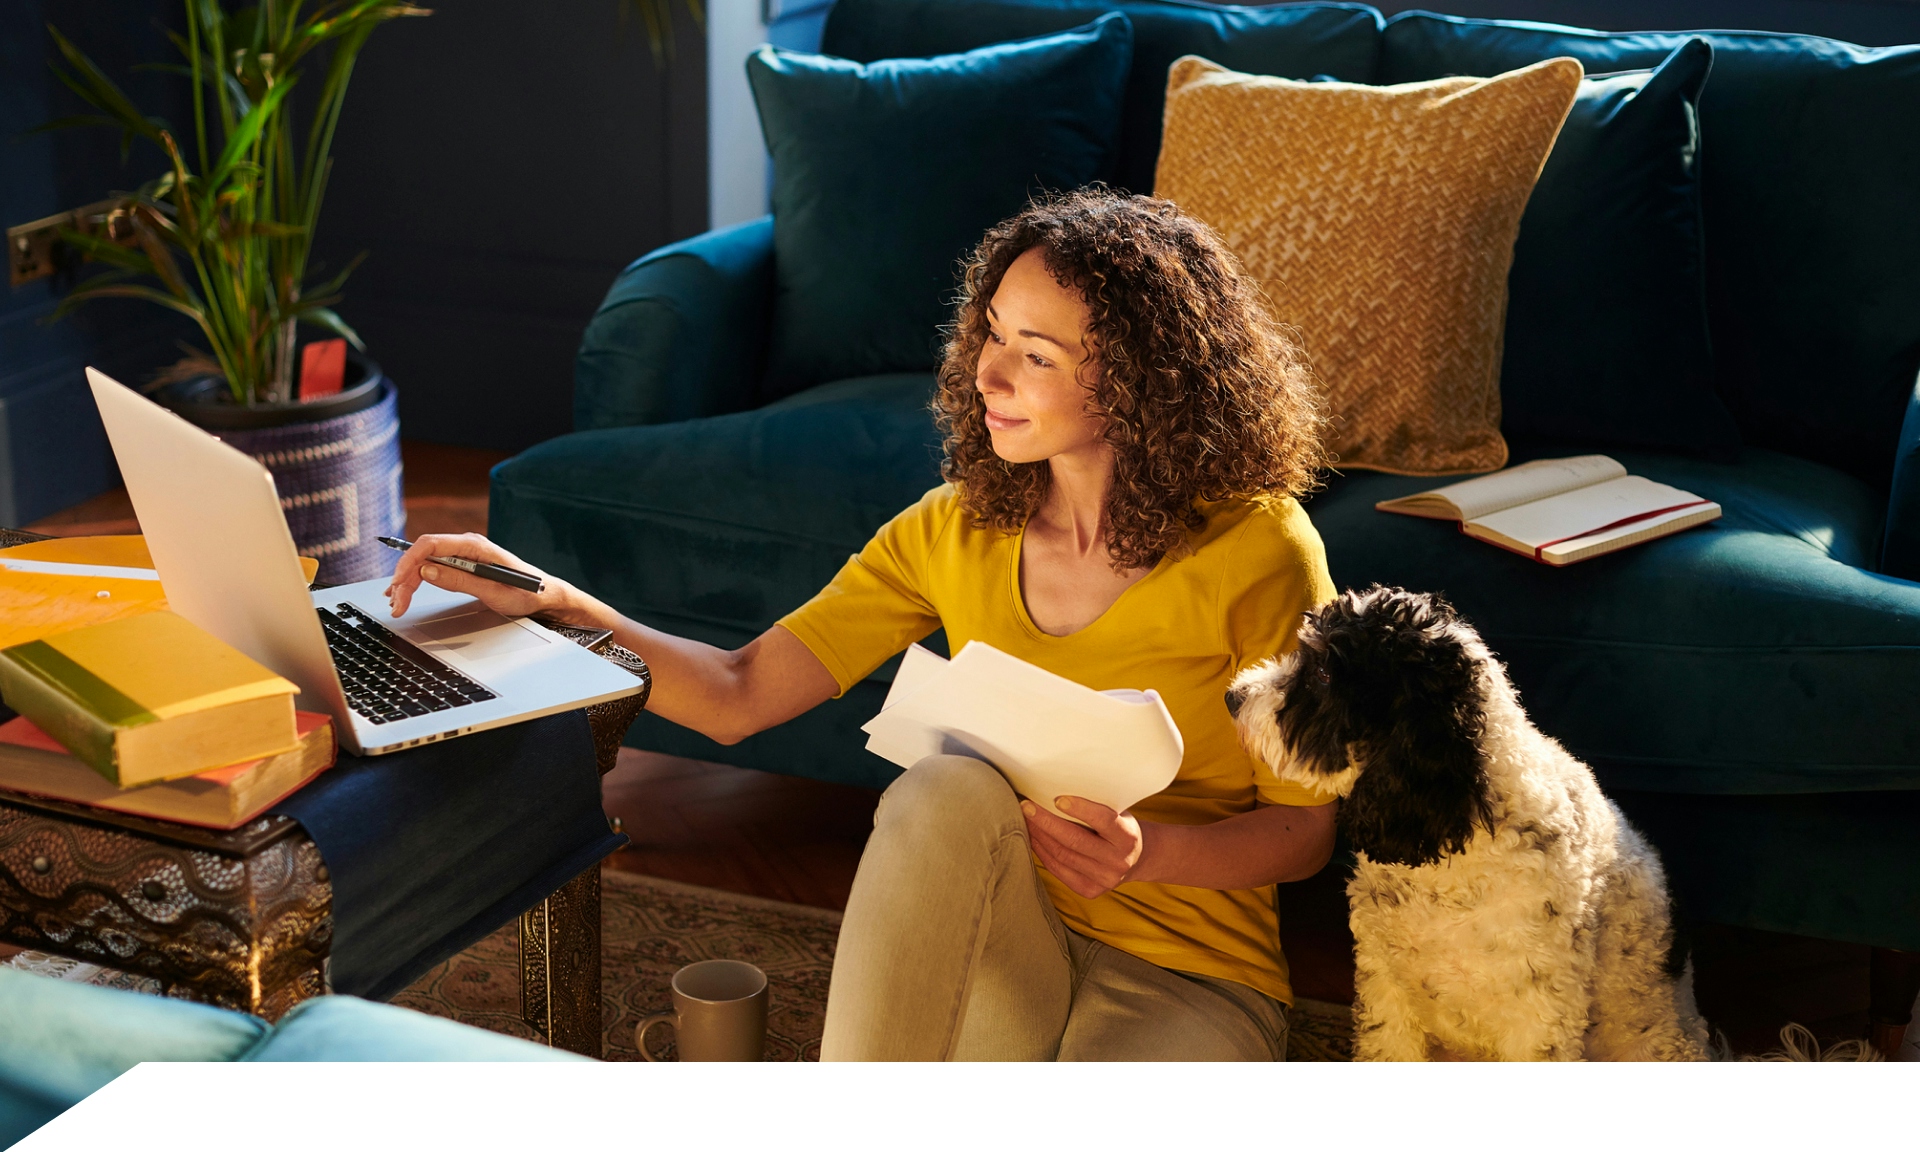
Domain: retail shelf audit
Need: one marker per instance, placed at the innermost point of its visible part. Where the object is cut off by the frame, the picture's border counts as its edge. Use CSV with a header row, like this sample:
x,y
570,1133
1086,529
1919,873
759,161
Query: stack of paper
x,y
1049,736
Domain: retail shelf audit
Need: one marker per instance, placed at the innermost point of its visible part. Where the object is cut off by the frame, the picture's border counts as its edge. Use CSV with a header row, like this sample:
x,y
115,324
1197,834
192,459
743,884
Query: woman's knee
x,y
957,793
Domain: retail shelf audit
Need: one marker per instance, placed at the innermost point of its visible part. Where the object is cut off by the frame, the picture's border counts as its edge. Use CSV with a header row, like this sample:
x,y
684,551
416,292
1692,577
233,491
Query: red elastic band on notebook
x,y
1538,553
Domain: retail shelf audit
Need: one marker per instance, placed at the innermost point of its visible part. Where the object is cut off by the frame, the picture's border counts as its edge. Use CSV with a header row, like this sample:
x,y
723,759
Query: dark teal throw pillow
x,y
887,174
1809,161
1607,335
1293,40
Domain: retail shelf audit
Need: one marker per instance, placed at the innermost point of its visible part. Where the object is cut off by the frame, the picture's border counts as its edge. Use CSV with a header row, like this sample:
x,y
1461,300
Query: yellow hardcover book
x,y
149,697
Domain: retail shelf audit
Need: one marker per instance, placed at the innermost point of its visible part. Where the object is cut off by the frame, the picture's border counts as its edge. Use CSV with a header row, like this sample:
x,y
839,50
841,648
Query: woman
x,y
1125,433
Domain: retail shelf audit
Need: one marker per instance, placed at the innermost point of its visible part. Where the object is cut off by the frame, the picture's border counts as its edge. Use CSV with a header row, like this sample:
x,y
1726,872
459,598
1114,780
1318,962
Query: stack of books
x,y
152,716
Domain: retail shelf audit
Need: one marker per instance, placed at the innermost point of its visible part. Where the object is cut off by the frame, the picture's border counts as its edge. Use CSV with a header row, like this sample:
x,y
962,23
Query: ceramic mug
x,y
719,1012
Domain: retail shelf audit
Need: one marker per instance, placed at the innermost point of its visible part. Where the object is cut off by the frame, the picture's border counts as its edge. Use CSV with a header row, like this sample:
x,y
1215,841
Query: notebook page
x,y
1535,480
1627,535
1580,511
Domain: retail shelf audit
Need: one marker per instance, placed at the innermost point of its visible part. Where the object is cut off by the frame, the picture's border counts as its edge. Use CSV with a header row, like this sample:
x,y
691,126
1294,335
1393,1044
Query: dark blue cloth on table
x,y
433,848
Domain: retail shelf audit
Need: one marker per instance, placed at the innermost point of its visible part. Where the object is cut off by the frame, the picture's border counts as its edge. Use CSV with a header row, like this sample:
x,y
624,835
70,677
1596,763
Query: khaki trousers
x,y
951,950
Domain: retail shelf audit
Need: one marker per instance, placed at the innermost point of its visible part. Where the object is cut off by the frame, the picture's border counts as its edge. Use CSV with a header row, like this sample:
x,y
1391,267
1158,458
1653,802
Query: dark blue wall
x,y
503,160
52,450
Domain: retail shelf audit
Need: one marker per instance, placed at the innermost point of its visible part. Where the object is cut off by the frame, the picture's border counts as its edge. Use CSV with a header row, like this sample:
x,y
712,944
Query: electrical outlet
x,y
34,249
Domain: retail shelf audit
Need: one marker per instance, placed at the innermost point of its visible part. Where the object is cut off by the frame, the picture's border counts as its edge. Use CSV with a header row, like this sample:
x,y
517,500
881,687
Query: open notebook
x,y
1047,735
1560,511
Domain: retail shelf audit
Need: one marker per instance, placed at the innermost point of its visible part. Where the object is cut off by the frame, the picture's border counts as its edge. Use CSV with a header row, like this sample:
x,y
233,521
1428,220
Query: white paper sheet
x,y
1049,736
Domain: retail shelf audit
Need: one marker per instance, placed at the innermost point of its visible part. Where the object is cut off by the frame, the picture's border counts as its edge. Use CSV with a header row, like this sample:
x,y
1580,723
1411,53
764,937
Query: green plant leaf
x,y
330,320
224,233
244,134
75,122
87,81
332,286
132,292
106,251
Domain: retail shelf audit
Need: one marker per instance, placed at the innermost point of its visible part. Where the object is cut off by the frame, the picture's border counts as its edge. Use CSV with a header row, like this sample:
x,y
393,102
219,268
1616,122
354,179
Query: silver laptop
x,y
220,544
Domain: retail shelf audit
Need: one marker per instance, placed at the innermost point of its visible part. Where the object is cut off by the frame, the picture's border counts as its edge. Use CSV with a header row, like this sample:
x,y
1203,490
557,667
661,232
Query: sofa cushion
x,y
716,528
887,174
1380,222
61,1042
1752,655
681,333
1606,336
1295,40
1900,551
1809,161
344,1028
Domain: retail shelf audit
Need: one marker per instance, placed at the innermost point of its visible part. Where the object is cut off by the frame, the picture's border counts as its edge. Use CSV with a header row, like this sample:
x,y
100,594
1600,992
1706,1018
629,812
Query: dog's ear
x,y
1408,671
1313,720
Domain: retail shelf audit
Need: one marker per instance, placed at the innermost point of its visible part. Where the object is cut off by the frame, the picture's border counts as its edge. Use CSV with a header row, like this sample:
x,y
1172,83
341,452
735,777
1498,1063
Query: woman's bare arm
x,y
725,695
1272,844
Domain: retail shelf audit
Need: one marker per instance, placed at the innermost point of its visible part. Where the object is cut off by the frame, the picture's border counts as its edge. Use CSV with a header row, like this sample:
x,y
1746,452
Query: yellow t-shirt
x,y
1233,599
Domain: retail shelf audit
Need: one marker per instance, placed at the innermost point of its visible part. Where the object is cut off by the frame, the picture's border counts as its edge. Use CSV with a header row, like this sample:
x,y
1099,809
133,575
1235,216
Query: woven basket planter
x,y
336,464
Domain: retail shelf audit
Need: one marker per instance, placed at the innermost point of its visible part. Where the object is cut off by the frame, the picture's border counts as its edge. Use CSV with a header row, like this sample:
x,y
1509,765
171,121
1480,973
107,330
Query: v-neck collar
x,y
1019,600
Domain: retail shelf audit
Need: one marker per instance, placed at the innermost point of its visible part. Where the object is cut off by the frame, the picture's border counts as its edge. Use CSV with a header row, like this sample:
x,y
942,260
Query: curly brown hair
x,y
1203,395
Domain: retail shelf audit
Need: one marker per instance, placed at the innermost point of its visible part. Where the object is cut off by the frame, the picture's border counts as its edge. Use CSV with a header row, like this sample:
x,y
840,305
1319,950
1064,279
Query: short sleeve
x,y
879,602
1276,574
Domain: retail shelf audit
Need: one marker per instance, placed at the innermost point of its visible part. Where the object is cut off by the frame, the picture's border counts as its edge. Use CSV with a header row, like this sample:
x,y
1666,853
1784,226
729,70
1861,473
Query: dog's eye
x,y
1320,674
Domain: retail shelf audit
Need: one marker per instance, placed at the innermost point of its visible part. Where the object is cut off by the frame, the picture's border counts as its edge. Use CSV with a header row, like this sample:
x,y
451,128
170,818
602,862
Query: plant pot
x,y
335,461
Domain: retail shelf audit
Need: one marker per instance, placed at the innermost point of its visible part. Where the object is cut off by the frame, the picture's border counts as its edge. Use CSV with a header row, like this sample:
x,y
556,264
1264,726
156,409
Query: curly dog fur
x,y
1502,907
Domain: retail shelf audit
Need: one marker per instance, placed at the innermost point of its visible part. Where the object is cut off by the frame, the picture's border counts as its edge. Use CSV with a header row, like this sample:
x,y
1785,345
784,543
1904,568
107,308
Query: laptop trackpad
x,y
477,634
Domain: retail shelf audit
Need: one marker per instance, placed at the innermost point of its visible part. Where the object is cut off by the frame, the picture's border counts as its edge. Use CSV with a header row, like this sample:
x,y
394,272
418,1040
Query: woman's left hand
x,y
1091,860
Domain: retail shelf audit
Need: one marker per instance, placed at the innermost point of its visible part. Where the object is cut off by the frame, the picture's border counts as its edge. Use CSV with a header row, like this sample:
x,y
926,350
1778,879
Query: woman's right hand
x,y
557,598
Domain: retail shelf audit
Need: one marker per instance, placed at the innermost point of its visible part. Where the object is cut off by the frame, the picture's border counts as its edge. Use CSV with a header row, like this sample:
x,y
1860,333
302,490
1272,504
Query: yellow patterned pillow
x,y
1381,223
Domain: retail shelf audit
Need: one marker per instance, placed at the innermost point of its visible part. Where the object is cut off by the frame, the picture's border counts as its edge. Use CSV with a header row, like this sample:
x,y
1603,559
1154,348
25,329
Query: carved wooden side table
x,y
244,919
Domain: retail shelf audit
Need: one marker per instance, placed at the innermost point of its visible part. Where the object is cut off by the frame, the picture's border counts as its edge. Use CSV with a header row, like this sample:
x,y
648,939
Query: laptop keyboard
x,y
387,677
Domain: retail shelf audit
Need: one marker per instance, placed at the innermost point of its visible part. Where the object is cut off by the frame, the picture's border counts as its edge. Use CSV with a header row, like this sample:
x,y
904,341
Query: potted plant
x,y
223,235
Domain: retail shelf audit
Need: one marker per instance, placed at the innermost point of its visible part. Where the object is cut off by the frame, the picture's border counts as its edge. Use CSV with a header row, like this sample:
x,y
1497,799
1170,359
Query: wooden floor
x,y
785,838
780,837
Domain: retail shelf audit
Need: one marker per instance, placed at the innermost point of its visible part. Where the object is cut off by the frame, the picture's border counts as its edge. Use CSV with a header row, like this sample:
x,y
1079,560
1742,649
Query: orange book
x,y
35,763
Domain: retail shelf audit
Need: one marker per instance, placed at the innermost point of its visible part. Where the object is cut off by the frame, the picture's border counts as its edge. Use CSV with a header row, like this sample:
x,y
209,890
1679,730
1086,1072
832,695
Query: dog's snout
x,y
1234,700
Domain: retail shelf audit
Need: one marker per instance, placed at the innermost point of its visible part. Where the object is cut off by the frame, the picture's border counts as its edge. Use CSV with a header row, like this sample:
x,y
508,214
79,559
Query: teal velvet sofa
x,y
61,1042
1750,691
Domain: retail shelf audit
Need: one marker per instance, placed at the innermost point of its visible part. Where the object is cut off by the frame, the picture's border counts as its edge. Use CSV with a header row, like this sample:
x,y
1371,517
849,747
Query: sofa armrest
x,y
682,332
1900,543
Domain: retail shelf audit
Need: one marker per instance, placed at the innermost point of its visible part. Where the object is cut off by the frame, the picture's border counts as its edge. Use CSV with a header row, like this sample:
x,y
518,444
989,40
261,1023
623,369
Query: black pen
x,y
511,577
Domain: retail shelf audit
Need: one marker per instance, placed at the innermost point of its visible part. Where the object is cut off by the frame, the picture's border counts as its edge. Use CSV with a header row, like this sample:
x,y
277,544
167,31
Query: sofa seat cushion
x,y
345,1028
61,1042
715,528
1758,654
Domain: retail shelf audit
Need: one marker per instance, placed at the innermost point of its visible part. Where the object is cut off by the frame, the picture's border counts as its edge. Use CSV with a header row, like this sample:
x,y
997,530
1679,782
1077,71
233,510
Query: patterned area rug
x,y
650,928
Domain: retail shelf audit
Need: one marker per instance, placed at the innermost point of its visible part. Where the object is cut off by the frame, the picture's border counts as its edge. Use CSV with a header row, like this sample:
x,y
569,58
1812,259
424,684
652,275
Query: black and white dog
x,y
1502,908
